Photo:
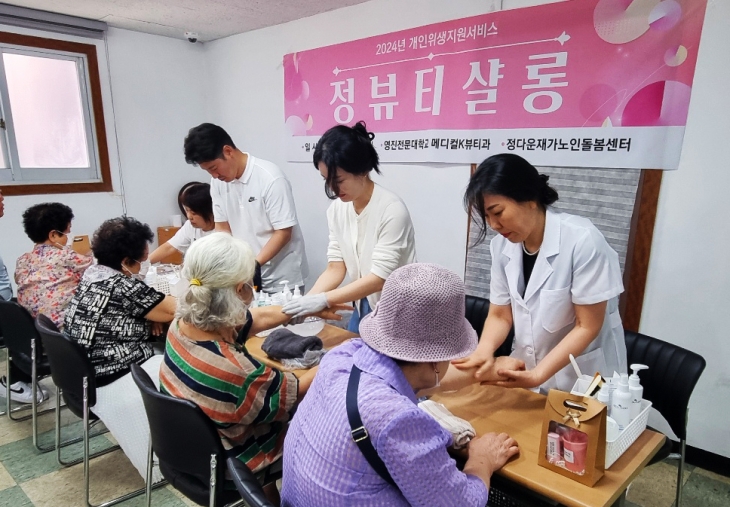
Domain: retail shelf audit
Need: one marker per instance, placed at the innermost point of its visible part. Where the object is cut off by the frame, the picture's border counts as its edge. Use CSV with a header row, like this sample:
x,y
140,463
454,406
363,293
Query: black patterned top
x,y
106,316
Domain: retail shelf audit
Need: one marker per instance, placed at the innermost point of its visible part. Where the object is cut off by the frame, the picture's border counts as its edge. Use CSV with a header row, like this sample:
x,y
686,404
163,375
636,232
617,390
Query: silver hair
x,y
219,262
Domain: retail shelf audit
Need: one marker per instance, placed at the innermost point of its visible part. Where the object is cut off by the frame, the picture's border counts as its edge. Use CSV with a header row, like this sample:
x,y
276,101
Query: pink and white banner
x,y
582,83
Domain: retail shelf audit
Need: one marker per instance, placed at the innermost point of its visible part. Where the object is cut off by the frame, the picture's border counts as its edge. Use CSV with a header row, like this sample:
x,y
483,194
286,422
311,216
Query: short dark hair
x,y
40,220
205,143
118,239
182,191
508,175
197,198
349,148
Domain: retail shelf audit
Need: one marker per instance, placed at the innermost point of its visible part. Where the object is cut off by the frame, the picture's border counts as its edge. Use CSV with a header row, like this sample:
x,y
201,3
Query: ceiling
x,y
211,19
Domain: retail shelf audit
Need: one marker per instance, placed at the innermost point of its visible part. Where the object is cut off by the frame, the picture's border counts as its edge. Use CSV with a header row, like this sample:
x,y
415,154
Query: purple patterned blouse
x,y
323,466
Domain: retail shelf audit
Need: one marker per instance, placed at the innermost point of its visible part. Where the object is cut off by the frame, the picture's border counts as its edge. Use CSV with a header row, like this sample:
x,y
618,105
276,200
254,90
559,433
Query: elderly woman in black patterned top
x,y
115,316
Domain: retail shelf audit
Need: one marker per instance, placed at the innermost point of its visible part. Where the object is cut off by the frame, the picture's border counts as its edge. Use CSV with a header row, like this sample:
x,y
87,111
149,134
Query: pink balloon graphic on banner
x,y
621,21
665,15
663,103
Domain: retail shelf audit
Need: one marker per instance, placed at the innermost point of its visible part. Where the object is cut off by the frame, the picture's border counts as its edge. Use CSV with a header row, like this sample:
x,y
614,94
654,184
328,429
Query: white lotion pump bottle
x,y
621,409
636,389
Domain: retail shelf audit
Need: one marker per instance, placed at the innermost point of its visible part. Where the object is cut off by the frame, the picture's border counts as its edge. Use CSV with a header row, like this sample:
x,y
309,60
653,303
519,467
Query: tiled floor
x,y
29,478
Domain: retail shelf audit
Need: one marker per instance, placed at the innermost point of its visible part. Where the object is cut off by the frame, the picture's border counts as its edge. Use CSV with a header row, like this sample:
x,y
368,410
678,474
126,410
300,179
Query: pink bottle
x,y
575,447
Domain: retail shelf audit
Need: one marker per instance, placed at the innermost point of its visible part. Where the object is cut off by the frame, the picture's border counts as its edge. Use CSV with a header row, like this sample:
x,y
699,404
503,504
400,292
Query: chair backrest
x,y
672,375
247,484
183,438
69,365
477,310
18,329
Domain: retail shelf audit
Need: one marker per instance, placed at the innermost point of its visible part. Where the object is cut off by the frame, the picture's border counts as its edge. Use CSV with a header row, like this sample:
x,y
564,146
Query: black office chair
x,y
75,380
247,484
187,446
668,383
26,351
477,310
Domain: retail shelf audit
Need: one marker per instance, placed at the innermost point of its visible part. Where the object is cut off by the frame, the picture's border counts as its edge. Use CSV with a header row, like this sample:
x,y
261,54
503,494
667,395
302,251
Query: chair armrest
x,y
247,485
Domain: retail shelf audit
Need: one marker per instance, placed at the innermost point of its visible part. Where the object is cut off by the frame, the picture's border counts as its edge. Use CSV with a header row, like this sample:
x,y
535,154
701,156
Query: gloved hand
x,y
306,305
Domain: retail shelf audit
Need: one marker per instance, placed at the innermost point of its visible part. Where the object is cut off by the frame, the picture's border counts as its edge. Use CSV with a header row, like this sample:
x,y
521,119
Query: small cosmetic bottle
x,y
554,447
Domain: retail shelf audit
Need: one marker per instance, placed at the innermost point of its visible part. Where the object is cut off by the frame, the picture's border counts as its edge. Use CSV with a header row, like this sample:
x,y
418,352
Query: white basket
x,y
628,436
615,448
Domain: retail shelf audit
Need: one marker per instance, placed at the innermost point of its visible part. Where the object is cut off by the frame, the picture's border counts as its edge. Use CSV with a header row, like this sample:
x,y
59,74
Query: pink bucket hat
x,y
420,316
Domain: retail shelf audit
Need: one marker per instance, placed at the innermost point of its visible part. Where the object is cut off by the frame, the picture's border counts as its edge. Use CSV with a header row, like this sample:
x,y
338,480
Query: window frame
x,y
92,88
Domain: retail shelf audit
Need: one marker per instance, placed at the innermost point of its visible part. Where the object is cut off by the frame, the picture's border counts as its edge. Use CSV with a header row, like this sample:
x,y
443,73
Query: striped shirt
x,y
249,402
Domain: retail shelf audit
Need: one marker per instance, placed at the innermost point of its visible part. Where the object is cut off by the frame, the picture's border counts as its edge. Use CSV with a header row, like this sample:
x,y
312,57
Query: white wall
x,y
687,289
247,100
688,286
159,92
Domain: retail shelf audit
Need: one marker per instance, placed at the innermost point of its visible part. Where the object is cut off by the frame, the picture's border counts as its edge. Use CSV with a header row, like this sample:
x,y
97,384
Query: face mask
x,y
438,380
59,245
137,276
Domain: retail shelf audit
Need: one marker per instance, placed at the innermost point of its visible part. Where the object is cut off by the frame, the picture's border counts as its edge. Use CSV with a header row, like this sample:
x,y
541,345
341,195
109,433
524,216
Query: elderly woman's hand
x,y
157,328
489,453
518,378
331,312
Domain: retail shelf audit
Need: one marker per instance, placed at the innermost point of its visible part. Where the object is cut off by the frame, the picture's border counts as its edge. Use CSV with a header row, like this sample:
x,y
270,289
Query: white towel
x,y
460,429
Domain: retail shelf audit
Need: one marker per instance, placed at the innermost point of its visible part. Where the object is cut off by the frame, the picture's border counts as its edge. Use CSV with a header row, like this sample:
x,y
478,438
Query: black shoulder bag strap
x,y
359,433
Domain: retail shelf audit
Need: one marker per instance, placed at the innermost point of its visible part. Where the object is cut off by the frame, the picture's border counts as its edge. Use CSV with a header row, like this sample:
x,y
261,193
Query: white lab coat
x,y
575,265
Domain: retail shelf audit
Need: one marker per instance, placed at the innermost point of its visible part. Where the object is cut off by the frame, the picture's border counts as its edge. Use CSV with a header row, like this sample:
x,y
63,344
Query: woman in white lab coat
x,y
370,229
554,277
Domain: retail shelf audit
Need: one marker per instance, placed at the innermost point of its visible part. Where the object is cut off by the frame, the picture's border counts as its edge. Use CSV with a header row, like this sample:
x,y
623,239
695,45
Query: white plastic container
x,y
621,403
615,448
636,390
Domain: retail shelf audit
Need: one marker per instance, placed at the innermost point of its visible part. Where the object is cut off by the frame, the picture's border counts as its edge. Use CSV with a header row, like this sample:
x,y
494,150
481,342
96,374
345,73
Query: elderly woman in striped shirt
x,y
251,403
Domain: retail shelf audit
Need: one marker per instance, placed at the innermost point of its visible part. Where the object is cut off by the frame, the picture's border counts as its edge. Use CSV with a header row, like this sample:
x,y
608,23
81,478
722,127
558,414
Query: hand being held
x,y
482,361
518,378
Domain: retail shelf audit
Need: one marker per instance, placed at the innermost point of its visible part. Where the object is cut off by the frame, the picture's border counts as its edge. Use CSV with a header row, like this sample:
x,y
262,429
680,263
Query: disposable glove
x,y
306,305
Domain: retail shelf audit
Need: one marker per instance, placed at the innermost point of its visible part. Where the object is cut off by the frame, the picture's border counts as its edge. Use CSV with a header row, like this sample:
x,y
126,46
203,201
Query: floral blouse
x,y
47,278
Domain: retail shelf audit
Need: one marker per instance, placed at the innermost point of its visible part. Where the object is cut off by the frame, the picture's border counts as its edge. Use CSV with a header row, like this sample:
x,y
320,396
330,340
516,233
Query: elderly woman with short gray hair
x,y
252,402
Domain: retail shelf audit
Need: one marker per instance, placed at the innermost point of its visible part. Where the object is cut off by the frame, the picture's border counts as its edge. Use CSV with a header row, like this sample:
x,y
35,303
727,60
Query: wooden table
x,y
331,336
519,413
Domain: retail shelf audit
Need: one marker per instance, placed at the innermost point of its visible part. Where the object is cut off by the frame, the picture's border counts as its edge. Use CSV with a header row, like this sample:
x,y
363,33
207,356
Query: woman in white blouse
x,y
370,229
196,202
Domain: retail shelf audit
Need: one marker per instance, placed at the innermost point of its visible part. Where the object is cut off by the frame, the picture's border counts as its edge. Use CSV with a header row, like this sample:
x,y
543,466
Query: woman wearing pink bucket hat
x,y
359,438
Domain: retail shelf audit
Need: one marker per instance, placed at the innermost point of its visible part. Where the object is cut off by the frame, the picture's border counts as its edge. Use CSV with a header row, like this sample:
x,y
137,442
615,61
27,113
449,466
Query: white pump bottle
x,y
621,403
636,389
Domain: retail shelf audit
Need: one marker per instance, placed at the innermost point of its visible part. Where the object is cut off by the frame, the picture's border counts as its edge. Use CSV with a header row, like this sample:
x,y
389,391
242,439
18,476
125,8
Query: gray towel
x,y
283,344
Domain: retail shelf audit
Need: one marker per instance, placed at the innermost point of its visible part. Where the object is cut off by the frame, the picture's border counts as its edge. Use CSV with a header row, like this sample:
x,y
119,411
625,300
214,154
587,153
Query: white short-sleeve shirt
x,y
379,240
185,236
257,204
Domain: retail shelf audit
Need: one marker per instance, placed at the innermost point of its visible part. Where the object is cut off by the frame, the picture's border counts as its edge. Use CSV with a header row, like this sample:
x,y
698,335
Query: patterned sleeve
x,y
137,297
78,263
413,440
266,394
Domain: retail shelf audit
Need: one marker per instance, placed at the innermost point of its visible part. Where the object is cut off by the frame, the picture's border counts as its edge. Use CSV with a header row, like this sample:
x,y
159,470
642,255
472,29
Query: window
x,y
52,137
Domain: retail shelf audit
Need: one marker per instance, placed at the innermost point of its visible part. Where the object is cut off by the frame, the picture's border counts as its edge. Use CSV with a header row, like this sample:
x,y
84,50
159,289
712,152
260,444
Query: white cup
x,y
176,220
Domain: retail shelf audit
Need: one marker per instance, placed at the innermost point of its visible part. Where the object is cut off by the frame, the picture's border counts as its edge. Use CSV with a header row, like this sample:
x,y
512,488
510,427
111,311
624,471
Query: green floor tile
x,y
14,497
160,498
23,462
706,492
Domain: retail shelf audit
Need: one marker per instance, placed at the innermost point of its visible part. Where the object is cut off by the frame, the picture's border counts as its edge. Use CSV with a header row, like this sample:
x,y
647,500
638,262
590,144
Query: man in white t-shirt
x,y
253,201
